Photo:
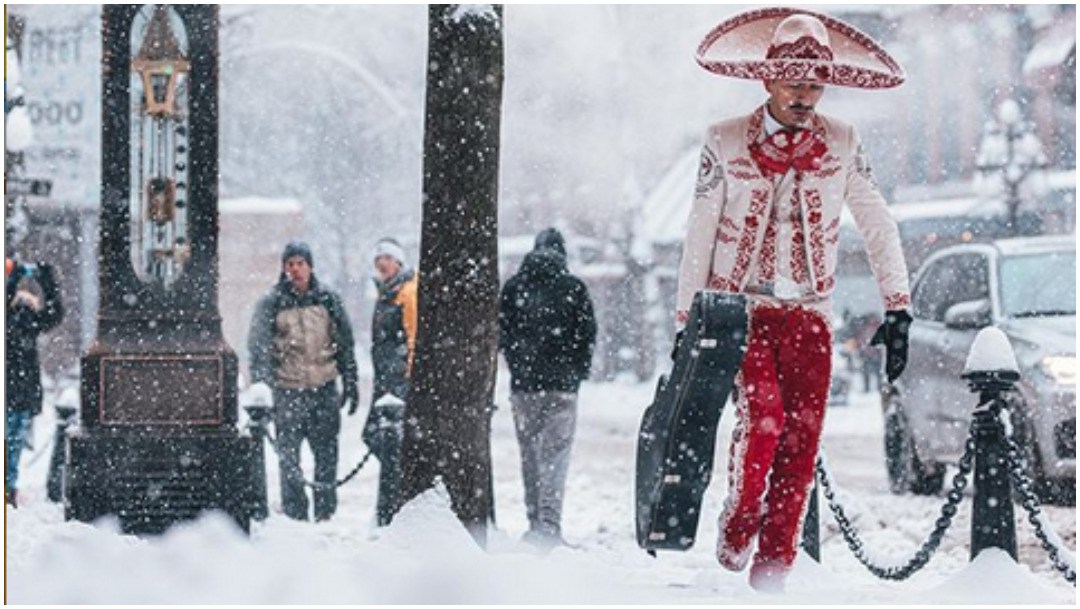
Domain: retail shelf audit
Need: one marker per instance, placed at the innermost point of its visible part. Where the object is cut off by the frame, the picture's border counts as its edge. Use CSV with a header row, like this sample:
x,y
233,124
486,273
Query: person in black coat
x,y
27,316
547,332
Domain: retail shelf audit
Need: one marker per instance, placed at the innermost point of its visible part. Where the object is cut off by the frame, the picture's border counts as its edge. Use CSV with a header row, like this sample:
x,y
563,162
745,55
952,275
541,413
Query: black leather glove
x,y
46,278
350,396
894,335
678,341
45,271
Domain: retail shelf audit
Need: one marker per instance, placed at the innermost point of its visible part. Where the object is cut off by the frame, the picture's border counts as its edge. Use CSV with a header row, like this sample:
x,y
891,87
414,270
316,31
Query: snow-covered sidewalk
x,y
427,557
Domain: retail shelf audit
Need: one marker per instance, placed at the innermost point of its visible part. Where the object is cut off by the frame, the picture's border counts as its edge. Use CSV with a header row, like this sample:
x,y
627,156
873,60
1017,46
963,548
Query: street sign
x,y
27,187
61,77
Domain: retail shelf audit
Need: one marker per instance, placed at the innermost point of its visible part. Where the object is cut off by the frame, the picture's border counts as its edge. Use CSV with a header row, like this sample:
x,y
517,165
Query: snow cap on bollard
x,y
389,400
259,394
991,352
68,403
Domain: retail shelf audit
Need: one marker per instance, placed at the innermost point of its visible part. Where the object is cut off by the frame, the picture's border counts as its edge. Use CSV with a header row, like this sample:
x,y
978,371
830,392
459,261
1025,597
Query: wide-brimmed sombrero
x,y
795,44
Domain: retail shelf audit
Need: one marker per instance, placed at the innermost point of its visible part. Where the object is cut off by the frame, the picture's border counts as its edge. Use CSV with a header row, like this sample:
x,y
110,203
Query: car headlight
x,y
1061,368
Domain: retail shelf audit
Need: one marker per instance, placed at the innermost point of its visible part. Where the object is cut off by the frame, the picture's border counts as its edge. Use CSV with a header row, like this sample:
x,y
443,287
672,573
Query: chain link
x,y
929,546
299,473
1030,503
1023,485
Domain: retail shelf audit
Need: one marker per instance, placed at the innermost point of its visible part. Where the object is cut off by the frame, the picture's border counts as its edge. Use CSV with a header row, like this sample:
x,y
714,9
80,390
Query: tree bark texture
x,y
448,414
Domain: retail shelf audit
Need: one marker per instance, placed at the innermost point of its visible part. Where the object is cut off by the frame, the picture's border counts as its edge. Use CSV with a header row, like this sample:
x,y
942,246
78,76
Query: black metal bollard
x,y
992,521
54,483
258,419
811,533
387,423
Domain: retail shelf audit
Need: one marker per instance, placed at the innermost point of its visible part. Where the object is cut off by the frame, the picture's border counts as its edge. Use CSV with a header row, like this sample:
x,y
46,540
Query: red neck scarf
x,y
801,149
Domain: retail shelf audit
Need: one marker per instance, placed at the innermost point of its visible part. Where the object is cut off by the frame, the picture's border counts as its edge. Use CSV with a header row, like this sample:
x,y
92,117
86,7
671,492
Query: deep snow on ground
x,y
427,557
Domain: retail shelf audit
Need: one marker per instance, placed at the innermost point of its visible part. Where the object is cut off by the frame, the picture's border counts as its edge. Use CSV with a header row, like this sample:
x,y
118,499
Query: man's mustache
x,y
798,106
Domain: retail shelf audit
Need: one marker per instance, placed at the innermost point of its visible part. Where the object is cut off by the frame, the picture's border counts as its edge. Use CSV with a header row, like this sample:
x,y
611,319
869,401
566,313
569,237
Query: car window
x,y
972,280
929,292
1037,285
950,281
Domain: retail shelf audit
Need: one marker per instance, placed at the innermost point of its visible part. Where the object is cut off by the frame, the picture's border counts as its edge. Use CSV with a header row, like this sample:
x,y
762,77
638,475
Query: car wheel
x,y
907,473
896,451
1049,491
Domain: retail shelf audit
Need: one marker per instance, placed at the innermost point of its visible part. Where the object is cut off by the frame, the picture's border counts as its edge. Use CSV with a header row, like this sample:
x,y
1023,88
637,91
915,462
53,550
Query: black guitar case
x,y
678,431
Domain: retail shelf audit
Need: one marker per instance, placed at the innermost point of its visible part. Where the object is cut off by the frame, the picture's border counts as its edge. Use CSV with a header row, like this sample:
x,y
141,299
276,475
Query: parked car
x,y
1027,288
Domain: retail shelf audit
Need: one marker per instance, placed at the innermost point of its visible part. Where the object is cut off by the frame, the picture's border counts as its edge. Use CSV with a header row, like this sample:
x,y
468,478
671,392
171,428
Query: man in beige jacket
x,y
300,342
765,222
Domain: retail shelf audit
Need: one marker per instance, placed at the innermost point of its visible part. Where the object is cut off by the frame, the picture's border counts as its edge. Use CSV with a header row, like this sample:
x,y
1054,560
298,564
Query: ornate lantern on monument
x,y
157,440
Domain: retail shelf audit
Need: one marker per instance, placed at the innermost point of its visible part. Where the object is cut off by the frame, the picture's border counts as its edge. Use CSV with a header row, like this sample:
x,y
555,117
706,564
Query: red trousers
x,y
781,392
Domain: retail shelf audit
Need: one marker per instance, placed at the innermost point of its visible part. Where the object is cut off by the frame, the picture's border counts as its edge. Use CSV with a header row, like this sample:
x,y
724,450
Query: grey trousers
x,y
545,425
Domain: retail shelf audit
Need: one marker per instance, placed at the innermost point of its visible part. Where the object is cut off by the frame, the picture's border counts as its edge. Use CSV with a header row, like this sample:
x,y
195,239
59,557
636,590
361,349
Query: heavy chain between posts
x,y
932,542
1030,503
299,473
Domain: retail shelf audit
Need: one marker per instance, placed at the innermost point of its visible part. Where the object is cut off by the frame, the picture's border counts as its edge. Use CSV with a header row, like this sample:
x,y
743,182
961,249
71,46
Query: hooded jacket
x,y
547,329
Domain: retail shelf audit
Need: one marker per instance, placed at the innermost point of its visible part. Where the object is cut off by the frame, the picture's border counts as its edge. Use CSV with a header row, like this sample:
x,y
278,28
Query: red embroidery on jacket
x,y
833,232
817,238
897,301
742,168
799,266
716,282
758,202
754,129
723,237
828,172
767,259
746,176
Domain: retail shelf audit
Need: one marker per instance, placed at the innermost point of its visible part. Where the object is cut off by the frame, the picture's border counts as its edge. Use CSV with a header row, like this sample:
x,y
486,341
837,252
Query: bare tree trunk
x,y
448,416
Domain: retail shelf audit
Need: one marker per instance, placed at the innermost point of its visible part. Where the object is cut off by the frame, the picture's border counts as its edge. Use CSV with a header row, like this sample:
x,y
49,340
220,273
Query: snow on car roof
x,y
945,208
1033,245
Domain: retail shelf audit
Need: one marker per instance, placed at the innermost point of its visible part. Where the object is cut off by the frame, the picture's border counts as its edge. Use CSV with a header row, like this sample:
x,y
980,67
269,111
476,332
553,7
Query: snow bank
x,y
425,557
992,578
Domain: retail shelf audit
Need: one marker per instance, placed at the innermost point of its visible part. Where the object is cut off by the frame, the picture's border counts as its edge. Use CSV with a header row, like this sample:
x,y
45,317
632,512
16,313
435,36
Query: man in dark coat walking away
x,y
547,332
300,342
27,316
393,341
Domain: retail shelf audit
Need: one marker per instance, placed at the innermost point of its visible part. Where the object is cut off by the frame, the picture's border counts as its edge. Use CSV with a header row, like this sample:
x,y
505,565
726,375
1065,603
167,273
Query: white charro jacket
x,y
730,242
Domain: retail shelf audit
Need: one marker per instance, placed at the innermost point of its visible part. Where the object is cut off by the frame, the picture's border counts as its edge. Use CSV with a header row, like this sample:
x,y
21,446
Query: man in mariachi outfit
x,y
765,222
